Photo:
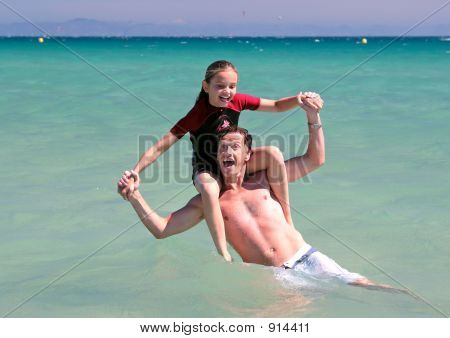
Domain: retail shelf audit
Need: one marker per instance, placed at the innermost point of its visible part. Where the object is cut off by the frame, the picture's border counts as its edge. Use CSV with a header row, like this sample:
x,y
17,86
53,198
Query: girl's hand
x,y
131,175
128,183
310,102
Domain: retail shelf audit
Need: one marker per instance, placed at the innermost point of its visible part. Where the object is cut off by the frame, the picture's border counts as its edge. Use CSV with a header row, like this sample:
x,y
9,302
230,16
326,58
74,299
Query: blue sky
x,y
328,12
396,15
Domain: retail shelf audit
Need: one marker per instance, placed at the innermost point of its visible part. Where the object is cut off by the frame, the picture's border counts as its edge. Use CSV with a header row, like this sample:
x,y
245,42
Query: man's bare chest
x,y
247,204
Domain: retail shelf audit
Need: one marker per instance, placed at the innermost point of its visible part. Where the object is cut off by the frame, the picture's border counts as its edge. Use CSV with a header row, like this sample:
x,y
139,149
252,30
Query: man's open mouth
x,y
228,163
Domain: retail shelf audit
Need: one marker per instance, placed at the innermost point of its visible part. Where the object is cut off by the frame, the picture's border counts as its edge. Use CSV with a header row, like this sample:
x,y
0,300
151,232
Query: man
x,y
255,225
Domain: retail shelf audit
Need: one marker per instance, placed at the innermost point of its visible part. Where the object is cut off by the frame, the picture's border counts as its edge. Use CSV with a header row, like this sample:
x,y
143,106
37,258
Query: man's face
x,y
221,88
232,154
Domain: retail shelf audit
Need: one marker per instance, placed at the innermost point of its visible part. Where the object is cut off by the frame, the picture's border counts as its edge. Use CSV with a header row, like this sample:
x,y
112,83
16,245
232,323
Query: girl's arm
x,y
150,155
156,150
281,105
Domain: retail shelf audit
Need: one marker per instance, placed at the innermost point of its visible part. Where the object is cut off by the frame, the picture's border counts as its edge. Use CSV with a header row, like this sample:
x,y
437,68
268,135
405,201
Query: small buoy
x,y
316,40
364,41
41,40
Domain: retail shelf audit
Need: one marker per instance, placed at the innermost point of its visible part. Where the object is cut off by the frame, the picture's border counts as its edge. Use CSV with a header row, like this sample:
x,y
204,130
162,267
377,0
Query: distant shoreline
x,y
83,27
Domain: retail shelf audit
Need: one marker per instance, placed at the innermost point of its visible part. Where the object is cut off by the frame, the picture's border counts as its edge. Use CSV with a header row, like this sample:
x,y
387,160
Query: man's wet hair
x,y
235,129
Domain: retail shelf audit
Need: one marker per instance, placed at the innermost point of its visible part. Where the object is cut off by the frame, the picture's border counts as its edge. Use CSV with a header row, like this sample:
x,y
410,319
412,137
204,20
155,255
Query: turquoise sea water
x,y
68,131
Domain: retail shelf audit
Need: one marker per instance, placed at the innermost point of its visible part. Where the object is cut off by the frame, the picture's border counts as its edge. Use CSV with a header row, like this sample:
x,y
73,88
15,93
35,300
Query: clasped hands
x,y
128,184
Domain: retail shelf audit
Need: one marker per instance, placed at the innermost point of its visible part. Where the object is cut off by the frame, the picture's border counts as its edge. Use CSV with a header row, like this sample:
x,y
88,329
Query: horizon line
x,y
223,36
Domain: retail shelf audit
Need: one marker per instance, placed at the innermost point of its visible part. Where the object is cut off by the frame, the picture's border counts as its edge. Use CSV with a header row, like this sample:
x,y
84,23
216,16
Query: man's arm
x,y
299,166
178,221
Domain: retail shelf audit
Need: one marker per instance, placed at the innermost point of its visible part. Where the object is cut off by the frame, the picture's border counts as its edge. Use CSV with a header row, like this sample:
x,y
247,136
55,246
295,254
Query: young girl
x,y
217,107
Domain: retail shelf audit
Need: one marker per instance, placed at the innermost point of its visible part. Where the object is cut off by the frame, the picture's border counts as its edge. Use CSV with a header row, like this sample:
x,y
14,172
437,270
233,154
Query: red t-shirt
x,y
205,121
205,118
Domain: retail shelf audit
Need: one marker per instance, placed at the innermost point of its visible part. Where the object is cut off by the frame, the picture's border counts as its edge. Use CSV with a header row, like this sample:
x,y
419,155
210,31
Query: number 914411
x,y
288,327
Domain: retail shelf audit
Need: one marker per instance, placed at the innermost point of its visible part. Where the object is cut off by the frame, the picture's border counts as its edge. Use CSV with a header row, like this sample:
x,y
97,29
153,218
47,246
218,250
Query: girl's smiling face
x,y
221,88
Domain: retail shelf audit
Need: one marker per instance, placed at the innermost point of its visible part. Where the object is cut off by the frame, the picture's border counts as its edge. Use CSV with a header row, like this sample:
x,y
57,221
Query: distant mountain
x,y
87,27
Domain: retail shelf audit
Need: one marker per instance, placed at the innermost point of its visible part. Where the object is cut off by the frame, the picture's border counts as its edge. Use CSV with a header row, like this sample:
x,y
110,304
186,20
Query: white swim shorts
x,y
307,259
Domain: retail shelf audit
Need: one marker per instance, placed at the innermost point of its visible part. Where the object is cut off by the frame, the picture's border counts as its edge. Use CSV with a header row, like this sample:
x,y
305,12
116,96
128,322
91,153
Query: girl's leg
x,y
271,159
209,188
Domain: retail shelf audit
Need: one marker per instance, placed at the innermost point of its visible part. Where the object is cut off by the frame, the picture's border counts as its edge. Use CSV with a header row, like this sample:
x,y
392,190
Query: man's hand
x,y
310,102
128,184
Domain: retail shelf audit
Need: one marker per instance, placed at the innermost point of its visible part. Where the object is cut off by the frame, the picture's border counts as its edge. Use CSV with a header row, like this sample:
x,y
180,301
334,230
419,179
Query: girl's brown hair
x,y
213,69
